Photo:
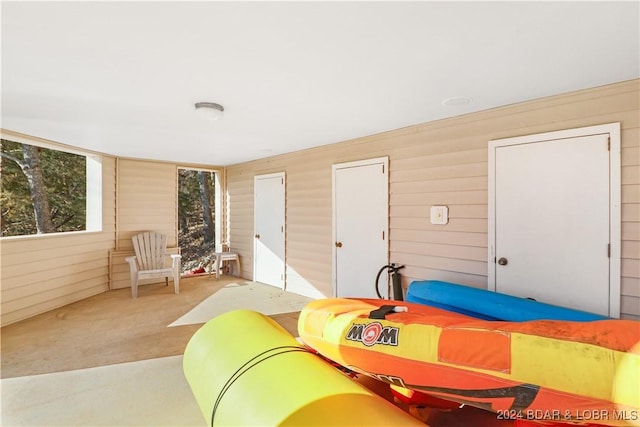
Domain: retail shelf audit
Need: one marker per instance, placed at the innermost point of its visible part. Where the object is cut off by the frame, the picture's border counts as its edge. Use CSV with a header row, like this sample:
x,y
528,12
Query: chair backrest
x,y
150,248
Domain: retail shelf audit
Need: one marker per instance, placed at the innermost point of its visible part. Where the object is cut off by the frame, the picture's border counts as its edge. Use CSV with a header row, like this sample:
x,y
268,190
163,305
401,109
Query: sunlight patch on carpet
x,y
254,296
145,393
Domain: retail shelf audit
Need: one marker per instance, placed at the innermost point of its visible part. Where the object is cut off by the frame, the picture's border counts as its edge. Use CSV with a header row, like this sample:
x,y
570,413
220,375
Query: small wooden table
x,y
219,257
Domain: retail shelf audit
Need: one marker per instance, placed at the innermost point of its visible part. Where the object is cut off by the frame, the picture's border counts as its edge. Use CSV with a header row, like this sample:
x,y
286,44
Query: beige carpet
x,y
144,393
152,392
265,299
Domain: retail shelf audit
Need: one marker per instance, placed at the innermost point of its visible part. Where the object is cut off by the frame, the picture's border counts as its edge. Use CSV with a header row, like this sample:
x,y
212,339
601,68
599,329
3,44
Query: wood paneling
x,y
146,200
40,273
441,162
630,286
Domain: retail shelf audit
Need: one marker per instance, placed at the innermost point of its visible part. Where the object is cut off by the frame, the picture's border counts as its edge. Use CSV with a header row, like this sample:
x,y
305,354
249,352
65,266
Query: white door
x,y
552,221
361,212
269,236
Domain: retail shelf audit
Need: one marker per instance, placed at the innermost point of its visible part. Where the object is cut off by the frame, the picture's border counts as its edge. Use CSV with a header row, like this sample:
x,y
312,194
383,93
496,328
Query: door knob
x,y
257,236
503,261
338,244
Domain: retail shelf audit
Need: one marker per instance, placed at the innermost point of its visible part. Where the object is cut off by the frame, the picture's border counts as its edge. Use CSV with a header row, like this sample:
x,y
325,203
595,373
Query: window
x,y
46,190
198,218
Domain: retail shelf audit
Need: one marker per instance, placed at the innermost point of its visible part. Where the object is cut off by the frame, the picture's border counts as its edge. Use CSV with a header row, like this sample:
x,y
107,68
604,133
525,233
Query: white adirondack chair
x,y
149,262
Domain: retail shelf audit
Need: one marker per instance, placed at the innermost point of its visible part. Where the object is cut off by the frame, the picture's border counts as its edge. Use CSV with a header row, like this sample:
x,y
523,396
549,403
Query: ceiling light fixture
x,y
210,110
457,100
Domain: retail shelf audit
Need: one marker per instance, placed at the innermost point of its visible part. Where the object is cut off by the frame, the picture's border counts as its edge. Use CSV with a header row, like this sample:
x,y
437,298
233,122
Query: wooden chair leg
x,y
176,283
218,266
134,287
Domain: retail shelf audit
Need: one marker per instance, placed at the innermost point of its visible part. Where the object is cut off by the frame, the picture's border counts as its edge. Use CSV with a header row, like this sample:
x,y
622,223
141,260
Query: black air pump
x,y
396,282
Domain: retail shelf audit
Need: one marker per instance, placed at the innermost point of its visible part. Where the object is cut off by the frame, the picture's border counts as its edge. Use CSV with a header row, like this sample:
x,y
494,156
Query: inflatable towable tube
x,y
244,369
490,305
558,369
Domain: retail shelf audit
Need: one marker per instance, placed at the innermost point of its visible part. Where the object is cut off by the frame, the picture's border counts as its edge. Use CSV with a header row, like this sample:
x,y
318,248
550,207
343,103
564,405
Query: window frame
x,y
93,182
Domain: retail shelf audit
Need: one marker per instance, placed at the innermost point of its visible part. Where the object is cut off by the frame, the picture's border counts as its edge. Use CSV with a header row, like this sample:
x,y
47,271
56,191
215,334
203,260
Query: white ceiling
x,y
122,77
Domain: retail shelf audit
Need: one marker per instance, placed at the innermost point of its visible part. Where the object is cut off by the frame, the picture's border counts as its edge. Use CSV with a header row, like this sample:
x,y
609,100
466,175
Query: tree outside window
x,y
196,218
42,190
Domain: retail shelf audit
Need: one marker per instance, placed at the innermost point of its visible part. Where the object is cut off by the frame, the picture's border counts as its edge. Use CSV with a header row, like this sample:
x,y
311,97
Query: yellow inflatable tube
x,y
245,369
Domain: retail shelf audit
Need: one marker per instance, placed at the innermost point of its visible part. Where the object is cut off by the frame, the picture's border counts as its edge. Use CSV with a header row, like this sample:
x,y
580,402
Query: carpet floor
x,y
150,392
110,360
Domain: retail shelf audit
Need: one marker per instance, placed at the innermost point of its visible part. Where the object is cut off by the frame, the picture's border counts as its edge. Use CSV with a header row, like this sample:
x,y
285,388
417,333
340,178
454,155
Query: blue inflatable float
x,y
490,305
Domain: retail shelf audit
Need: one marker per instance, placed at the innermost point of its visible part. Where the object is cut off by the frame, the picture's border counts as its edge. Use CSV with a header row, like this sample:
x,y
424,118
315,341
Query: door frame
x,y
283,176
367,162
613,130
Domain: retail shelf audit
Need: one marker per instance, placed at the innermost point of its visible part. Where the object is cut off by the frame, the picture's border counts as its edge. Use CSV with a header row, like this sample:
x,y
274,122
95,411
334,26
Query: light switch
x,y
439,215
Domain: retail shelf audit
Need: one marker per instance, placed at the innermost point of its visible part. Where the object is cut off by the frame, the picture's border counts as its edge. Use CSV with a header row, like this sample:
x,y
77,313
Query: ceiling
x,y
122,78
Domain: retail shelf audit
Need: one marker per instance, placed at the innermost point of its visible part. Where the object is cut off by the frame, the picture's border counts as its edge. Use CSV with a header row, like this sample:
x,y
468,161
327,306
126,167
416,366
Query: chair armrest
x,y
132,263
175,260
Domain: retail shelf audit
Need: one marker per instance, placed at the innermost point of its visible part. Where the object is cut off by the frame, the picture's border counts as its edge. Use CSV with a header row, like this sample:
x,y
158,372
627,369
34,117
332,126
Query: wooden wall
x,y
40,273
146,200
441,162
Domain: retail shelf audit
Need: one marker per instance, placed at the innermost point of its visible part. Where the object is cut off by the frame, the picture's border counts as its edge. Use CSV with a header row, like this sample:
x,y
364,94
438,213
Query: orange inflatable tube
x,y
557,371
